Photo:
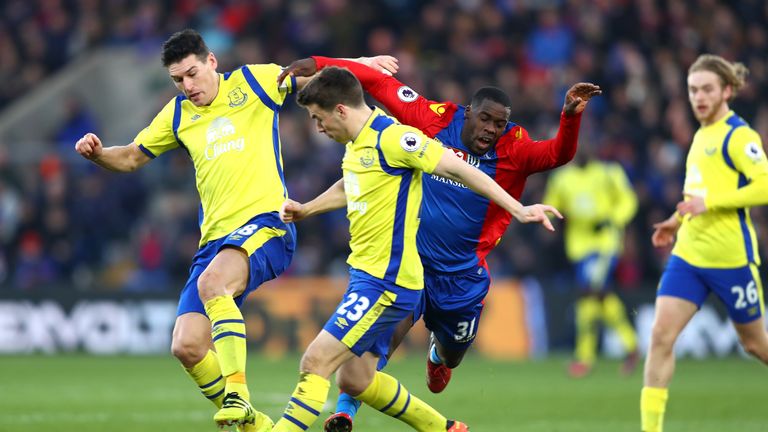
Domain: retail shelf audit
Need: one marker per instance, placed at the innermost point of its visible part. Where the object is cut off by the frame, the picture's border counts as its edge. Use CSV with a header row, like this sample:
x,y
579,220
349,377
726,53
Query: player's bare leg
x,y
359,377
754,338
225,278
191,338
672,315
346,408
191,344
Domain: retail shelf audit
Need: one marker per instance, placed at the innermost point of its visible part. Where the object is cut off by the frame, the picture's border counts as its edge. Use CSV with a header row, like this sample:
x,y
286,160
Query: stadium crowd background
x,y
66,224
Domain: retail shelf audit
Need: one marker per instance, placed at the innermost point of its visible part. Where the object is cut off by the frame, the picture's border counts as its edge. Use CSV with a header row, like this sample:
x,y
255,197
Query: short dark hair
x,y
330,87
494,94
182,44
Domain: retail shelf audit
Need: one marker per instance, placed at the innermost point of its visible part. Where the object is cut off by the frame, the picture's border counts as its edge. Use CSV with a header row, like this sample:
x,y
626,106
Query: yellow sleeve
x,y
266,75
407,147
158,137
748,158
624,198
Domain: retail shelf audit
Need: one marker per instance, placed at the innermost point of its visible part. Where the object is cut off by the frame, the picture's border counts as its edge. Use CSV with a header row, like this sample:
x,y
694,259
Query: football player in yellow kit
x,y
228,125
382,191
715,243
599,201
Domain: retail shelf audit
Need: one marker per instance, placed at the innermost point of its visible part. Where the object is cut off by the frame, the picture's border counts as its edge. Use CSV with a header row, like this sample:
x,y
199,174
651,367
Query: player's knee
x,y
351,385
757,349
188,352
311,363
662,338
210,284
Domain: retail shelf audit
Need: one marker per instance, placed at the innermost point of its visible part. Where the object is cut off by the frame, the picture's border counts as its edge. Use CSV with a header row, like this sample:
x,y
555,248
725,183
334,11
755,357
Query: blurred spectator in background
x,y
33,266
79,121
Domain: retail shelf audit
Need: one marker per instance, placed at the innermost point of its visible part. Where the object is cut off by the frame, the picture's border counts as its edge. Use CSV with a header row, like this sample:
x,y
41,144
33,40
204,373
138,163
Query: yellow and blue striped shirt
x,y
234,146
596,193
382,181
724,159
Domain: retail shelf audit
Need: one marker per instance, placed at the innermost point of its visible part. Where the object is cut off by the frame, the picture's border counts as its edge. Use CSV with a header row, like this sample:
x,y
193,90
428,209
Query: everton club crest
x,y
237,97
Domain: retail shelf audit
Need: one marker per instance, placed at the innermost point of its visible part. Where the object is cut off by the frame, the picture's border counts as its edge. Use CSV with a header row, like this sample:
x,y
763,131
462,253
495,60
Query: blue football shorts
x,y
594,272
739,289
452,305
367,316
269,244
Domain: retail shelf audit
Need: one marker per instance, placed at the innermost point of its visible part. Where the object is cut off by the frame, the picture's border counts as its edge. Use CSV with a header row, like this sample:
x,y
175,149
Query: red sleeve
x,y
544,155
400,100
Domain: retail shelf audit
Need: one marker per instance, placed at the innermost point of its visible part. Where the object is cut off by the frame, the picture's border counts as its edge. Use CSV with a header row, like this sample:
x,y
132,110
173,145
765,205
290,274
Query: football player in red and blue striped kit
x,y
459,227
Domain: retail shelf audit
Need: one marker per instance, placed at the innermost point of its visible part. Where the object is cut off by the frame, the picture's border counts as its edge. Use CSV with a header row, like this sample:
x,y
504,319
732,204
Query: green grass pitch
x,y
116,394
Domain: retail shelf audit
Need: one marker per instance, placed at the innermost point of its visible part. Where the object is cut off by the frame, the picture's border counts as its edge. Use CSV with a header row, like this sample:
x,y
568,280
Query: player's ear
x,y
467,111
212,61
341,110
727,92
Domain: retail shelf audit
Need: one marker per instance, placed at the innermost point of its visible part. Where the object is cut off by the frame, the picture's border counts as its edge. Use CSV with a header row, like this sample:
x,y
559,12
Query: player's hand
x,y
693,205
291,211
383,63
304,68
664,232
537,213
89,146
577,97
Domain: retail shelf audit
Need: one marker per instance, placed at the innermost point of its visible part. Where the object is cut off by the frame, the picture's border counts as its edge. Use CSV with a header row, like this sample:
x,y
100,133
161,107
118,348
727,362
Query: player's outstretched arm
x,y
664,232
333,198
456,169
385,64
544,155
305,68
577,96
118,158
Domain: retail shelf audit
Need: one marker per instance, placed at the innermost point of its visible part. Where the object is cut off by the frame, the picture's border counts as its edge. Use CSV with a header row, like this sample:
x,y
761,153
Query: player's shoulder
x,y
513,135
746,134
175,100
169,109
445,109
746,141
510,140
397,128
407,137
265,74
264,68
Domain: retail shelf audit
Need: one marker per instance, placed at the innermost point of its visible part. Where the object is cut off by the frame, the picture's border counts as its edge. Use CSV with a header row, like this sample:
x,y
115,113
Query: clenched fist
x,y
89,146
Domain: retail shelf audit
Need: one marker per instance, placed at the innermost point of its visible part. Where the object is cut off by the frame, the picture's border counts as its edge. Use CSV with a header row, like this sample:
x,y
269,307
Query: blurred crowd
x,y
66,223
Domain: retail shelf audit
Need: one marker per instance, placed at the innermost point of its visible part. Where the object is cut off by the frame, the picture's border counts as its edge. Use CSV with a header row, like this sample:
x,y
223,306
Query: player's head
x,y
332,97
192,66
585,153
712,82
485,119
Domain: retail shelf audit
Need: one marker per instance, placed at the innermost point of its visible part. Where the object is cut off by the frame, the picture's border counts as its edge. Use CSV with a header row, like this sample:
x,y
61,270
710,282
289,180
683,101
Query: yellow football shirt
x,y
598,193
724,157
382,181
234,146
